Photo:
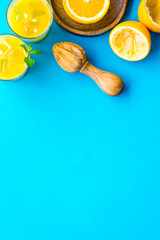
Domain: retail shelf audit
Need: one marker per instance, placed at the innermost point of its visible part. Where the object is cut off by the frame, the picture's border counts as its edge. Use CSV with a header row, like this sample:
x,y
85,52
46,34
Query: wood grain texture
x,y
113,17
110,83
72,58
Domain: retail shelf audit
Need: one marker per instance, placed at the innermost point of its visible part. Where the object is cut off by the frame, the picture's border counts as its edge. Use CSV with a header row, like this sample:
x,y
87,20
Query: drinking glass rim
x,y
27,38
26,69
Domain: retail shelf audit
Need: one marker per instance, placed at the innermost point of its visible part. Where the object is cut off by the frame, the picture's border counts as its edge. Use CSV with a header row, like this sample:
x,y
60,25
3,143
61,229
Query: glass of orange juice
x,y
30,19
12,65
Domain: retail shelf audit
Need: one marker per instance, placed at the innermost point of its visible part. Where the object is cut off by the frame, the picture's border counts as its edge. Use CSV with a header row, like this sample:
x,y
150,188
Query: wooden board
x,y
114,15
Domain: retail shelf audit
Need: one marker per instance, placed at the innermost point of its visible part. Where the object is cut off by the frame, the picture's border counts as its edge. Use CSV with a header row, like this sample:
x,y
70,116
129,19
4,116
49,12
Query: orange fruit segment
x,y
130,40
86,11
149,14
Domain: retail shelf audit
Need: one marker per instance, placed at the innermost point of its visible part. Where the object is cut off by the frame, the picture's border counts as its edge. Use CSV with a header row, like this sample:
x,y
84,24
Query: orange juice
x,y
30,19
12,65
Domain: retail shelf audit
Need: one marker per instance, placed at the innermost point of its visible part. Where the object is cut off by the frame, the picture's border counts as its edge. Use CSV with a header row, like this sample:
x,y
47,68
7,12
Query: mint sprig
x,y
28,60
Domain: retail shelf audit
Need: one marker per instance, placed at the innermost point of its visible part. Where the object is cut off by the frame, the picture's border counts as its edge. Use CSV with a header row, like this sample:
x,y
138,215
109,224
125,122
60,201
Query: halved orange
x,y
130,40
149,14
86,11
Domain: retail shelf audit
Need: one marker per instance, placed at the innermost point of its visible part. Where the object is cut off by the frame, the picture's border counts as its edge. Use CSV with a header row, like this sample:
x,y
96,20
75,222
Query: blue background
x,y
74,162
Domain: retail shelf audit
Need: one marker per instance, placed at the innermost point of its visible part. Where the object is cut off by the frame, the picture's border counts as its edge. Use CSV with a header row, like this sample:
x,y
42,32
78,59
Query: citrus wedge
x,y
149,14
86,11
130,40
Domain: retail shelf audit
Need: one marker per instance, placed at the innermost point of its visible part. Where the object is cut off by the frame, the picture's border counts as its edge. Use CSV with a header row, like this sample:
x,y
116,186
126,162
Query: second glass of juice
x,y
30,19
12,65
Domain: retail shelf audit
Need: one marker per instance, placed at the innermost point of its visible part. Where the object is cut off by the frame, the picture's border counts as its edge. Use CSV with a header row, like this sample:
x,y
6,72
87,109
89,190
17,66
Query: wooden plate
x,y
113,16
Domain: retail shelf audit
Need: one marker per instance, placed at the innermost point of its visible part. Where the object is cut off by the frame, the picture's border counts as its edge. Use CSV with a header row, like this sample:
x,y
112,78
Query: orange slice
x,y
130,40
149,14
86,11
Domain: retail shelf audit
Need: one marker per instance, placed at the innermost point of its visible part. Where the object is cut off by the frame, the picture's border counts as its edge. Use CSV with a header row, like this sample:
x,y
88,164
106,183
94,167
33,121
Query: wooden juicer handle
x,y
110,83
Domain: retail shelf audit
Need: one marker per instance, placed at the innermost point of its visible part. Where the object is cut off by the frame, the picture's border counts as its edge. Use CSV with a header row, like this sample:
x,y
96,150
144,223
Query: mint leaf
x,y
29,61
37,52
24,47
29,47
